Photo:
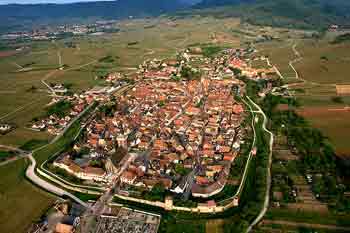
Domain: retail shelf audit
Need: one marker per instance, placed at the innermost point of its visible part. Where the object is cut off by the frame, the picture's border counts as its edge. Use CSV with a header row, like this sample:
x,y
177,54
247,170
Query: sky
x,y
44,1
63,1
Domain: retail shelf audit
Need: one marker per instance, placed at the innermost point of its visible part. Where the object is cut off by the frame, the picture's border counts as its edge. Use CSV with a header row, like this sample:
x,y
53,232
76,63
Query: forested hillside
x,y
299,13
19,14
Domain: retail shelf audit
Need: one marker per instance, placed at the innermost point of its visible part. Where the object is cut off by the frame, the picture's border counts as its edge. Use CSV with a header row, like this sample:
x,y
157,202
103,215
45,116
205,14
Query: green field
x,y
21,202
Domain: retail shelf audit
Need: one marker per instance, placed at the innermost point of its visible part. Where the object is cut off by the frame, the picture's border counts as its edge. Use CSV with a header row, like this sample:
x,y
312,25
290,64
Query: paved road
x,y
268,177
46,77
101,205
10,160
14,149
21,154
59,59
31,175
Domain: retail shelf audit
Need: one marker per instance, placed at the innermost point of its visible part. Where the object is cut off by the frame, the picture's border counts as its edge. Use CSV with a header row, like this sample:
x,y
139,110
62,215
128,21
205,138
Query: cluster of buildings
x,y
184,132
189,132
63,217
57,32
82,168
248,71
55,123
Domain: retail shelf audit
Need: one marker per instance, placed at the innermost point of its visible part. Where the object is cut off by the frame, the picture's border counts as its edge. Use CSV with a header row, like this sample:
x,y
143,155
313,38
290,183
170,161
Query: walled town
x,y
178,125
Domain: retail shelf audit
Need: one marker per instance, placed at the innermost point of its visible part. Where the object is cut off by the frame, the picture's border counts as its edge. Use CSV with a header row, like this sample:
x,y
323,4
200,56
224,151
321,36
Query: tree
x,y
157,193
188,73
179,168
236,71
32,89
337,99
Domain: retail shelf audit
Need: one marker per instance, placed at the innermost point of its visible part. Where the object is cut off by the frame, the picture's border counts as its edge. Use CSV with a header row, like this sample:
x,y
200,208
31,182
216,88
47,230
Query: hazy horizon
x,y
3,2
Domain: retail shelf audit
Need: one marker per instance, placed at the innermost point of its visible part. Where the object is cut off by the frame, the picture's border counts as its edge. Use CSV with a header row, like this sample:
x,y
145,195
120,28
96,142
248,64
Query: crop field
x,y
334,123
323,65
215,226
21,202
280,54
324,62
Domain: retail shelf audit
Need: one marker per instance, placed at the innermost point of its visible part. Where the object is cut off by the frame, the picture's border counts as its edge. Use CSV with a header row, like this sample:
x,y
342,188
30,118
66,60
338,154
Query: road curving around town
x,y
32,176
268,177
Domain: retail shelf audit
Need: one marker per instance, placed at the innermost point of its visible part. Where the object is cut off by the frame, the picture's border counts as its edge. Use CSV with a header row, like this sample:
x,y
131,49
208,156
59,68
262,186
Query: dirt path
x,y
307,225
299,58
19,109
21,154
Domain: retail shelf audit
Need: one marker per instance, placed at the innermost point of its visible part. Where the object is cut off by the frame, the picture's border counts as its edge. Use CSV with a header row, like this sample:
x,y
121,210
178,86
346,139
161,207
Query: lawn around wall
x,y
21,202
48,151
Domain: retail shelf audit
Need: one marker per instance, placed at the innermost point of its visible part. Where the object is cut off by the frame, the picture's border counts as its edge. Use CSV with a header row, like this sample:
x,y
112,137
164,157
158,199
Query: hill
x,y
287,13
290,13
29,14
216,3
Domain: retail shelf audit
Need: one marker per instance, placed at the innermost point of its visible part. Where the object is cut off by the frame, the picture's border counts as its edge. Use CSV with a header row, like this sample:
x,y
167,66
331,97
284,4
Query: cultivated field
x,y
322,65
215,226
334,122
21,202
324,62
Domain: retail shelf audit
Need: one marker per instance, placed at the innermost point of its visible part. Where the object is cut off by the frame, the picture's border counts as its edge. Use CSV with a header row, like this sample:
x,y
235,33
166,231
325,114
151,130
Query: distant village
x,y
60,31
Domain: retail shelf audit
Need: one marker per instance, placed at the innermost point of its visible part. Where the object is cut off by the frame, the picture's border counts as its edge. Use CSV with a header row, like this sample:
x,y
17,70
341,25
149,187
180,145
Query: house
x,y
223,149
343,89
150,183
333,27
229,157
206,191
202,180
237,109
193,111
92,173
88,173
39,126
208,153
64,228
4,127
181,187
128,177
254,151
